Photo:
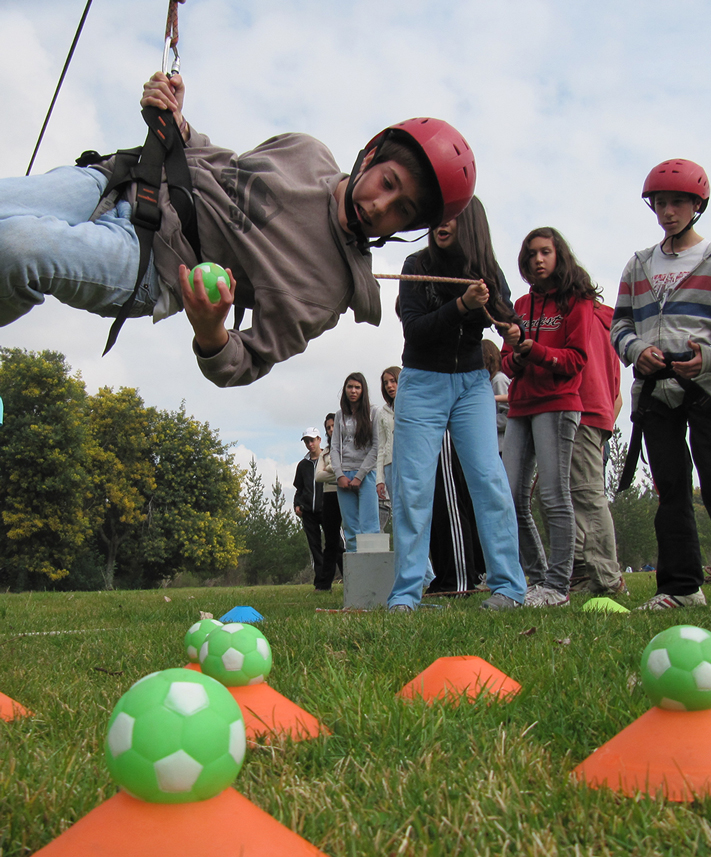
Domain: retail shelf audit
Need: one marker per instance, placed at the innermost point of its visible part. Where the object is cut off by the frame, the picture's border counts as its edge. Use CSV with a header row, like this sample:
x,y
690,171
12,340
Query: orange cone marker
x,y
267,713
228,824
9,709
662,750
458,675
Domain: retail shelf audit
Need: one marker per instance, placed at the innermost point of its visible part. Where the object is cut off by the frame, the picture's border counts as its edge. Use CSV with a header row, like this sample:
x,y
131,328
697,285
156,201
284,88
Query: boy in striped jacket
x,y
662,325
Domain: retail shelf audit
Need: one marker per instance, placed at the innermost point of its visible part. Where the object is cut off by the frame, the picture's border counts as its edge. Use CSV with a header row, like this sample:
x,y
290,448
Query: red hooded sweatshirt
x,y
550,377
600,386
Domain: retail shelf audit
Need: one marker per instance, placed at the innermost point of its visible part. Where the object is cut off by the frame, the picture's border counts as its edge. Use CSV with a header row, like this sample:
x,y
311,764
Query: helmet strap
x,y
671,238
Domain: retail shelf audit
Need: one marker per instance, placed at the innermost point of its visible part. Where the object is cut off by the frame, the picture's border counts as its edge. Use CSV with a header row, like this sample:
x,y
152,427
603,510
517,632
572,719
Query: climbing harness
x,y
164,148
694,395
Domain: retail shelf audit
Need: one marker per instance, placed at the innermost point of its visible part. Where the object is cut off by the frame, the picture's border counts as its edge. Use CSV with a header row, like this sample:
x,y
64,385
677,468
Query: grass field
x,y
393,778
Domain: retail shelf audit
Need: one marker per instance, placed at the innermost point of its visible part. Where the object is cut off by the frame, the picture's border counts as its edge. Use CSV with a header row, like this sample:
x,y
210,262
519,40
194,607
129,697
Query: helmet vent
x,y
456,149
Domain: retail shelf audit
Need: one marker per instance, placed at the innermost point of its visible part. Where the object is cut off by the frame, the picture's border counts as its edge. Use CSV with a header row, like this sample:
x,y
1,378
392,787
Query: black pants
x,y
333,539
679,565
455,551
311,522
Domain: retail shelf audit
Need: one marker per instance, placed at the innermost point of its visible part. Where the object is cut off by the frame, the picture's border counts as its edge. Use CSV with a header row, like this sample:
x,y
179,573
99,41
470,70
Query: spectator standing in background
x,y
308,499
595,566
330,514
662,324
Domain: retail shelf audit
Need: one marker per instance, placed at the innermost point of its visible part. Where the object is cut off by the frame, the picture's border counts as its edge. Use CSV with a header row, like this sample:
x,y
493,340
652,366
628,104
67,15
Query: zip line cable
x,y
171,41
59,85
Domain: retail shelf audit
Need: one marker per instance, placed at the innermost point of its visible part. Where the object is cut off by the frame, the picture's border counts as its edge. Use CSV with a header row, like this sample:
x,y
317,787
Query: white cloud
x,y
567,106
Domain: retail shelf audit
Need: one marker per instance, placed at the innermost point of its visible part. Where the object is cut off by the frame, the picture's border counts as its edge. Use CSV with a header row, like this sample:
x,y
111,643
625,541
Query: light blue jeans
x,y
429,571
359,509
545,440
427,403
49,247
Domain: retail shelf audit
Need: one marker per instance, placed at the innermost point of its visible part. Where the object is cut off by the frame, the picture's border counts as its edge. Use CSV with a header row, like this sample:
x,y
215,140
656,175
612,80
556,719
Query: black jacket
x,y
309,492
438,338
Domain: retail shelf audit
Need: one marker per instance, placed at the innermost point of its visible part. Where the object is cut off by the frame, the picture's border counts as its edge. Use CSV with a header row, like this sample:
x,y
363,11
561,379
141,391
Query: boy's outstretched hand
x,y
206,318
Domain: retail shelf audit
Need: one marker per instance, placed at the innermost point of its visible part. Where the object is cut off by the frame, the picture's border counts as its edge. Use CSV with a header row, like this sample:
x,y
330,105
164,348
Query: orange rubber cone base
x,y
459,675
267,713
9,709
228,825
667,751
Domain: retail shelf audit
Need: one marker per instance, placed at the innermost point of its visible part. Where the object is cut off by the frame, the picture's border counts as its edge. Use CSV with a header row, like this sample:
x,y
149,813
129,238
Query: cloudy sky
x,y
567,105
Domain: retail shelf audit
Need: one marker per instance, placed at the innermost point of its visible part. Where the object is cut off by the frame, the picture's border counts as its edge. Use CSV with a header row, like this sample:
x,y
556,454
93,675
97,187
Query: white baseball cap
x,y
311,432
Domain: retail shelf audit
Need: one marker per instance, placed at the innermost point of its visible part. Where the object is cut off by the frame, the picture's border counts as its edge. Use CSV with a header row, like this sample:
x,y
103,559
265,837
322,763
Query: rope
x,y
171,40
423,278
171,25
59,85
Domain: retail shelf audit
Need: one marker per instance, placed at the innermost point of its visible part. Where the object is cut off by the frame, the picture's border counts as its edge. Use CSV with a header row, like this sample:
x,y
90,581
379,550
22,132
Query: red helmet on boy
x,y
449,155
678,175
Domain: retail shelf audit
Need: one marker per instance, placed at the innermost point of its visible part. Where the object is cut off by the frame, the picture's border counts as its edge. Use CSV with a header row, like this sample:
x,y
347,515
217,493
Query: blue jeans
x,y
359,509
428,403
49,247
545,440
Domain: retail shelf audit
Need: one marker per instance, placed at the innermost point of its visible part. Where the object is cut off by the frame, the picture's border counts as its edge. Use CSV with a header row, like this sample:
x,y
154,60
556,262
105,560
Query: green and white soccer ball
x,y
196,636
175,736
676,669
236,655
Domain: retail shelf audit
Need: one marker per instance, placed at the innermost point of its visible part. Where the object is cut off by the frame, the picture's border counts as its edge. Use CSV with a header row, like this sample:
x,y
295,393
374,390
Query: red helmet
x,y
678,175
448,154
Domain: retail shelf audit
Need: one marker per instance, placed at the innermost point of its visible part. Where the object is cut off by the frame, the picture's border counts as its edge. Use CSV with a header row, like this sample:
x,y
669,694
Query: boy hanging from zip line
x,y
293,231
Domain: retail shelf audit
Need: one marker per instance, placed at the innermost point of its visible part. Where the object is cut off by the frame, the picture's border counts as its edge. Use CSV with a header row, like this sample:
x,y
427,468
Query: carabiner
x,y
175,65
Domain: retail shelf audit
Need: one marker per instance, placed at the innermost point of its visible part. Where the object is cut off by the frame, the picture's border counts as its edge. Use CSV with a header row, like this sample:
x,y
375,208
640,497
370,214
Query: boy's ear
x,y
367,160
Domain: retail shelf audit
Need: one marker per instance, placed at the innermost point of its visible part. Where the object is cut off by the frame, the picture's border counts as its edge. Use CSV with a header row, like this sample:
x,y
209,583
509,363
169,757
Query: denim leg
x,y
519,460
348,502
553,439
48,247
368,512
472,424
422,409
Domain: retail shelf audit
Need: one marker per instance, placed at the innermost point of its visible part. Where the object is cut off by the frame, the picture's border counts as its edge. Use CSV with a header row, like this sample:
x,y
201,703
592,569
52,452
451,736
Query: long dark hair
x,y
328,439
395,372
492,357
471,258
360,410
569,278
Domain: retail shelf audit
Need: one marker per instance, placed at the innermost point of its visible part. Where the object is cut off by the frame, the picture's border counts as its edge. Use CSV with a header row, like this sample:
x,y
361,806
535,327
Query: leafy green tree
x,y
194,518
44,467
123,431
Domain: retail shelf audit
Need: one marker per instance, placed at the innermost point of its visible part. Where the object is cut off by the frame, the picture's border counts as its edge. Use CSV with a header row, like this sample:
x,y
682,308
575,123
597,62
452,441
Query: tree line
x,y
96,489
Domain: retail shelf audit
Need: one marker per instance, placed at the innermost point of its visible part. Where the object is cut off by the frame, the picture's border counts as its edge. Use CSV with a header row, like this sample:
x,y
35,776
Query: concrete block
x,y
367,578
372,542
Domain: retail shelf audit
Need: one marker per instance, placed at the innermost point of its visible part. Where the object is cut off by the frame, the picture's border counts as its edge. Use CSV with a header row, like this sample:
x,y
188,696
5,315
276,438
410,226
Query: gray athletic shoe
x,y
400,608
498,601
544,596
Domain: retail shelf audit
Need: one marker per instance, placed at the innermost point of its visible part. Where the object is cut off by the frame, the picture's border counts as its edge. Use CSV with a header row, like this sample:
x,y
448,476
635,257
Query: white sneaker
x,y
544,596
669,602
